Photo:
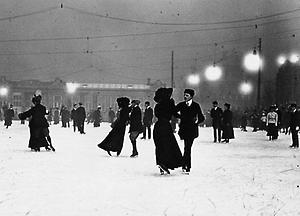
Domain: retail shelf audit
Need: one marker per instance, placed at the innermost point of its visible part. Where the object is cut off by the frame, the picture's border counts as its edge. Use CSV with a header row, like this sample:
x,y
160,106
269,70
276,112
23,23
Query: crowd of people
x,y
166,114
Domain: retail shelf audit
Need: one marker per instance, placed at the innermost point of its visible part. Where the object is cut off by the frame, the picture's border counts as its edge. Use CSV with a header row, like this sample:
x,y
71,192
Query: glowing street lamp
x,y
72,87
294,58
245,88
252,62
213,73
281,60
193,79
3,91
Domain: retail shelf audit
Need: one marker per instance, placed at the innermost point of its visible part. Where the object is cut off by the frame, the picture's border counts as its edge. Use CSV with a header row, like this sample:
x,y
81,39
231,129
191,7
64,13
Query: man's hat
x,y
190,92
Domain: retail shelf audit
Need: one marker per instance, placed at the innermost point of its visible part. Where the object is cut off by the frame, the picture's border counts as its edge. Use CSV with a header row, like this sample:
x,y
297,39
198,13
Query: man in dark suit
x,y
147,120
191,116
136,126
81,115
216,115
294,125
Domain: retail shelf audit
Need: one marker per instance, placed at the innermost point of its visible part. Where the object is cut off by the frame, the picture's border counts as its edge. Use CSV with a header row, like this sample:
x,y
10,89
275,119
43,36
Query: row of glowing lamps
x,y
252,62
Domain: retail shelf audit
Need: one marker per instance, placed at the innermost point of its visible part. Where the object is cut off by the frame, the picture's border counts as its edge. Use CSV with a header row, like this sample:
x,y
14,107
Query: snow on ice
x,y
248,176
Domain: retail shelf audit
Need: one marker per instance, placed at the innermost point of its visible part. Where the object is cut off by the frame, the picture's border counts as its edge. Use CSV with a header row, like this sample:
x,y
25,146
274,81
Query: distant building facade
x,y
288,84
55,93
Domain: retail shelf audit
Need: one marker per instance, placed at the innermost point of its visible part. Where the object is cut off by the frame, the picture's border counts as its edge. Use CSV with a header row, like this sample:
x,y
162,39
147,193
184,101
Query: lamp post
x,y
258,77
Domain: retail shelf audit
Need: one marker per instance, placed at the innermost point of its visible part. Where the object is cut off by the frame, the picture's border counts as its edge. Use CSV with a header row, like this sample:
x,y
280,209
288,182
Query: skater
x,y
216,115
81,115
111,115
56,116
244,120
167,152
38,125
8,116
294,125
74,117
227,127
135,125
65,116
114,140
97,117
272,123
191,116
147,120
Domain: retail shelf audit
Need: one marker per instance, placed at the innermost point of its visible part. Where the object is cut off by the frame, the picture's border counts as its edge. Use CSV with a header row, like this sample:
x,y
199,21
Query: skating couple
x,y
168,154
38,125
127,114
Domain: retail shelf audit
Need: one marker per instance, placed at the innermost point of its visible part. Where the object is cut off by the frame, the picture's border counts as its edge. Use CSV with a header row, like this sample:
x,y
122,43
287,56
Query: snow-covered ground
x,y
248,176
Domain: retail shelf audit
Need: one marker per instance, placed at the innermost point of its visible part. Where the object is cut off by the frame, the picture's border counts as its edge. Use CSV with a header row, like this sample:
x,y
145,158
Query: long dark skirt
x,y
38,138
272,130
114,140
227,132
167,150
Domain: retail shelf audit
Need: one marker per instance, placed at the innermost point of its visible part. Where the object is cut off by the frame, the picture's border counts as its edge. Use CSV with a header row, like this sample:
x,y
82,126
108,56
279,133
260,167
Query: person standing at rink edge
x,y
216,115
294,125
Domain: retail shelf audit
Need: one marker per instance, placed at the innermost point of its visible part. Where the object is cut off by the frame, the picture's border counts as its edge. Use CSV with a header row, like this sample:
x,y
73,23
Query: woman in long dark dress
x,y
168,154
38,125
114,140
227,126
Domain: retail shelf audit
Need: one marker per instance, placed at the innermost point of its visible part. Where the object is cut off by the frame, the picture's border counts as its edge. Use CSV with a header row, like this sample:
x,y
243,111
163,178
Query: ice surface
x,y
248,176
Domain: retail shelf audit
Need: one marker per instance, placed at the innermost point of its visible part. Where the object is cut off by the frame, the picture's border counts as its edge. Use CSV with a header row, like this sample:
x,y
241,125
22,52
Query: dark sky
x,y
128,41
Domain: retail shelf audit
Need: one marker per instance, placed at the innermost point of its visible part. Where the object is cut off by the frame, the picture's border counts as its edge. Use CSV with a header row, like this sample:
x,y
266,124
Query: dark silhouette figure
x,y
294,125
74,117
38,125
81,115
227,124
111,115
97,116
167,151
114,140
8,116
216,115
191,116
147,120
136,126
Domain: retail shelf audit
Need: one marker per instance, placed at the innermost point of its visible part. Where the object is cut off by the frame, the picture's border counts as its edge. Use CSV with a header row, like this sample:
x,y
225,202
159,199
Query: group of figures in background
x,y
166,115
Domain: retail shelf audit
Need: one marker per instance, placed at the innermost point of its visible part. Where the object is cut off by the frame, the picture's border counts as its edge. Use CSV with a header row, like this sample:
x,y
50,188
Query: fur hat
x,y
123,102
136,102
227,105
163,94
190,92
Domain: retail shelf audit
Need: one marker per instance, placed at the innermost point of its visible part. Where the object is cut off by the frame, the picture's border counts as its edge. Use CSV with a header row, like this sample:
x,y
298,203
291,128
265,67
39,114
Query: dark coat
x,y
114,140
135,120
294,120
216,115
190,117
148,116
227,127
97,117
37,124
167,150
74,115
81,114
8,115
65,115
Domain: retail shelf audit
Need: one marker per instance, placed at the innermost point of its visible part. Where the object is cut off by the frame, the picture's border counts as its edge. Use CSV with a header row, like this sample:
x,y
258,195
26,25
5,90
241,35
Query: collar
x,y
189,103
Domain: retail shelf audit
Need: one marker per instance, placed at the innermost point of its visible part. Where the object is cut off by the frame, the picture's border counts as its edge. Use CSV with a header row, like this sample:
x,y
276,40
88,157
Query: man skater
x,y
294,125
136,127
190,115
147,120
74,116
81,115
216,115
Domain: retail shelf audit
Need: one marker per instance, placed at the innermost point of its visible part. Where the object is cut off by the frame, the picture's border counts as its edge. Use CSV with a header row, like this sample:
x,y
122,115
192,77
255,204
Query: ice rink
x,y
248,176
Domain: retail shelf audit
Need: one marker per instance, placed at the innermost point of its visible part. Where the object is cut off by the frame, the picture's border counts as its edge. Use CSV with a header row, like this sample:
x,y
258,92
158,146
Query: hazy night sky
x,y
78,43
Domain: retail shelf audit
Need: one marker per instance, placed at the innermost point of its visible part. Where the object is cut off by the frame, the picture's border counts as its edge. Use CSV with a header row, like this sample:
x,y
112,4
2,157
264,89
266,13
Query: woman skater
x,y
114,140
168,154
38,125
